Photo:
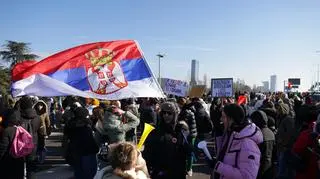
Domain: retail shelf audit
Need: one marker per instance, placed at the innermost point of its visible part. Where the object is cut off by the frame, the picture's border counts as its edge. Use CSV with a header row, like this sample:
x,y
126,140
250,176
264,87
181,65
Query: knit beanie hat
x,y
235,112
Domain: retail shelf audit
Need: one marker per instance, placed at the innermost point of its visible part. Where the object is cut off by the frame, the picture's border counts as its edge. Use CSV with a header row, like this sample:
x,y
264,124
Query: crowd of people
x,y
264,136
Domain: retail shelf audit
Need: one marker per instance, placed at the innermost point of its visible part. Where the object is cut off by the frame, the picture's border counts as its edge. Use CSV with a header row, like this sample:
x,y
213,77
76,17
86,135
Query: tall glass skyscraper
x,y
194,72
273,83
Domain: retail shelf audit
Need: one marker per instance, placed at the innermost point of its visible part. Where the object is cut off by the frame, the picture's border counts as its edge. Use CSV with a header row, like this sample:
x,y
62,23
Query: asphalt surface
x,y
55,167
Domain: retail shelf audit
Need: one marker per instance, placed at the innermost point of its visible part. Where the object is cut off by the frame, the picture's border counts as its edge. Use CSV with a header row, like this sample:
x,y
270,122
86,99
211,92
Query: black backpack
x,y
204,123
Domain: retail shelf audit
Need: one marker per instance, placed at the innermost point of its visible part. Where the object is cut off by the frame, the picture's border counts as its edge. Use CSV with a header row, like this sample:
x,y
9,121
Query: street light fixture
x,y
159,72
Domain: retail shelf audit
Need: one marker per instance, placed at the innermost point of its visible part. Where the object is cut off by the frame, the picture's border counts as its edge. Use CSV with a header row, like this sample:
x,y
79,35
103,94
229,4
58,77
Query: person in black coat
x,y
187,115
10,167
203,121
82,146
30,121
166,149
261,120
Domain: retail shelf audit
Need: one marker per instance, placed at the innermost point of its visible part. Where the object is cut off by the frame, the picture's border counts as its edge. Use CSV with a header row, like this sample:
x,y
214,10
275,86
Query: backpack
x,y
22,144
203,121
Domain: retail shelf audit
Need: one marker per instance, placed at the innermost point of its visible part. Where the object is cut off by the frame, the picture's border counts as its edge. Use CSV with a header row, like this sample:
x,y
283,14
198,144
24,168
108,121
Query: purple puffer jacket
x,y
242,158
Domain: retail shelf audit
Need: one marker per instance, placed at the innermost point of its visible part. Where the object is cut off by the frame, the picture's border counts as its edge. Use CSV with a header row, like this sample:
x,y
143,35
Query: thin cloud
x,y
158,39
195,48
82,37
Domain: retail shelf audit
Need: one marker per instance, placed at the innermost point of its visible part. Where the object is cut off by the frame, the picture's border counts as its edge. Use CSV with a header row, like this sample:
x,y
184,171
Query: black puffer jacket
x,y
203,121
187,115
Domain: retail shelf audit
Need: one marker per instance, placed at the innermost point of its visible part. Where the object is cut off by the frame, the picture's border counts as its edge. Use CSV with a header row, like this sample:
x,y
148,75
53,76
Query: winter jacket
x,y
115,126
187,115
266,149
133,109
128,174
242,157
165,153
131,135
203,121
215,116
286,134
309,160
10,167
44,117
29,116
81,138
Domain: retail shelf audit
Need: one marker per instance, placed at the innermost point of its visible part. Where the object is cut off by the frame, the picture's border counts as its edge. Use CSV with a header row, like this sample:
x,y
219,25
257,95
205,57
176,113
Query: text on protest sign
x,y
176,87
222,87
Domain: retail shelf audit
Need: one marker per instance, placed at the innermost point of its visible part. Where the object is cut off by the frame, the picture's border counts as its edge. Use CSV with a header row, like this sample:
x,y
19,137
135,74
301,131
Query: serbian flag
x,y
105,70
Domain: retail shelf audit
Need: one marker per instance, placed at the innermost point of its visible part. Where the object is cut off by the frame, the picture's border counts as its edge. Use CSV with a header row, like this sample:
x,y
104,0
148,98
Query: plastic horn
x,y
146,131
203,145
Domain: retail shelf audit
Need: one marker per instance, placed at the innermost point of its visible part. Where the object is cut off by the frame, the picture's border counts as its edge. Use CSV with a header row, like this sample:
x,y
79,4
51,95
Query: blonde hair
x,y
123,156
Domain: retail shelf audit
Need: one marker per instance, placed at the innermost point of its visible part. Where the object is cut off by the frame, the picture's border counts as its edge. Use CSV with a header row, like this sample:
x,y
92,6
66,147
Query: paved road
x,y
56,168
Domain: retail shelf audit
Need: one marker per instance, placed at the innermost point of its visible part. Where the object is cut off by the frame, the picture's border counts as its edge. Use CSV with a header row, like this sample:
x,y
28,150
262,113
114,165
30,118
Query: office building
x,y
194,72
273,83
265,86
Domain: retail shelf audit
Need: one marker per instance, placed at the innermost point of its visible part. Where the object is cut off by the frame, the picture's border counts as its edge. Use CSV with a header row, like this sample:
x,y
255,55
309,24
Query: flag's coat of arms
x,y
106,70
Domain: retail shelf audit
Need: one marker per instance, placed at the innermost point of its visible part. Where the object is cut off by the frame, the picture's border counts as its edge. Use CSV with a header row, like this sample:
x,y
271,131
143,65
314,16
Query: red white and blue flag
x,y
105,70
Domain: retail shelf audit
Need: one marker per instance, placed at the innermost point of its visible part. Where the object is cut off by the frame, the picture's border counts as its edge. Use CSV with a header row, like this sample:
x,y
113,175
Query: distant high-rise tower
x,y
194,72
205,79
265,86
273,83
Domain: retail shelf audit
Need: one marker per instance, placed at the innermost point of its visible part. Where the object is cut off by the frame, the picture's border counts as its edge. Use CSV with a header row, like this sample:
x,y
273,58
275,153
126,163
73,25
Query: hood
x,y
250,131
270,112
28,114
43,110
283,109
259,118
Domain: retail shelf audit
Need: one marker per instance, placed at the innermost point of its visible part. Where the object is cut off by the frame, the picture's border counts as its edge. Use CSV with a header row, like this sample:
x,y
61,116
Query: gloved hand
x,y
211,163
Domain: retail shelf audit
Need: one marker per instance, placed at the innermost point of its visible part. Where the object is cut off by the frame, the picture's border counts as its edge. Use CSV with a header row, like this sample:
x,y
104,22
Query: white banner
x,y
222,87
175,87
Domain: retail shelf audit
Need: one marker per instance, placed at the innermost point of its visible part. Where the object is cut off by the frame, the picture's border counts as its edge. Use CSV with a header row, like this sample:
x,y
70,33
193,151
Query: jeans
x,y
86,167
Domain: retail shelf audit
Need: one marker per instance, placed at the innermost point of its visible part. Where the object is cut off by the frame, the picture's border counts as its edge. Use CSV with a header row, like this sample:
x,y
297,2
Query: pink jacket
x,y
242,158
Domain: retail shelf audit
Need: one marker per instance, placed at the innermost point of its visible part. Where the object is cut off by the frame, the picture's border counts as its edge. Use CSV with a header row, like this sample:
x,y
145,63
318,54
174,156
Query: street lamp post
x,y
159,72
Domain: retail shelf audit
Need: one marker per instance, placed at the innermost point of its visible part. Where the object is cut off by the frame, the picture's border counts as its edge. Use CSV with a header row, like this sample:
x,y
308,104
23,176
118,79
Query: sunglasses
x,y
166,113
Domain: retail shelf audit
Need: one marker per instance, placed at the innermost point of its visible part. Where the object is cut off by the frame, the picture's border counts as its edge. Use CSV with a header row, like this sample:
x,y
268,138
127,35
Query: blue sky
x,y
246,39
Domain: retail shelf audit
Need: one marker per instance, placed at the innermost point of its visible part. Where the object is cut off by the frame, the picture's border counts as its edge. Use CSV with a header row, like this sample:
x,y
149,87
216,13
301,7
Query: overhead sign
x,y
294,81
222,87
175,87
197,91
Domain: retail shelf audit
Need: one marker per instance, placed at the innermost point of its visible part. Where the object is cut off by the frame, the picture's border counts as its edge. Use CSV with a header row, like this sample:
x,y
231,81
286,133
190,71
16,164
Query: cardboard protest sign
x,y
222,87
197,91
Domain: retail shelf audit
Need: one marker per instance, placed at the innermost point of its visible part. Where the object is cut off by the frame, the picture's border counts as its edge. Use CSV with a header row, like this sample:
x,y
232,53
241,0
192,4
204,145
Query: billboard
x,y
294,81
222,87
